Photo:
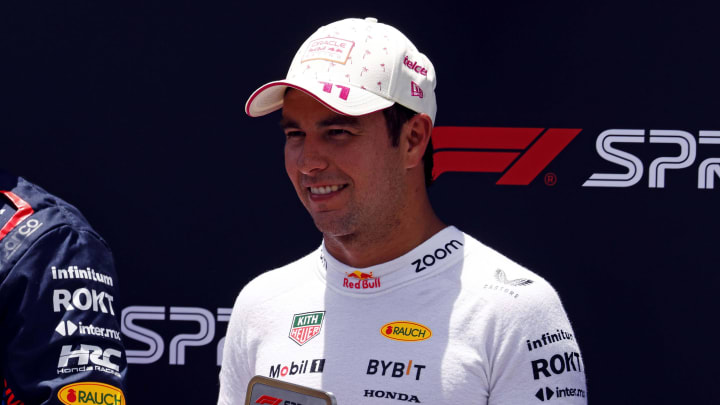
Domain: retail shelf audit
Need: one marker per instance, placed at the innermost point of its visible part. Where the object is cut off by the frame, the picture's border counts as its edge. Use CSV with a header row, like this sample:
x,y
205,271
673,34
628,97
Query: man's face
x,y
345,170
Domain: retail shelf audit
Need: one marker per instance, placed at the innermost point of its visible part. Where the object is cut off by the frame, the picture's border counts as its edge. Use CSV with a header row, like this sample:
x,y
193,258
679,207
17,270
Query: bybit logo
x,y
394,369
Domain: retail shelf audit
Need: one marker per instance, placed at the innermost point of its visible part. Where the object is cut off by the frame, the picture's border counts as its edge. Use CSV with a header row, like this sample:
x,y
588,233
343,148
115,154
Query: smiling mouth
x,y
326,189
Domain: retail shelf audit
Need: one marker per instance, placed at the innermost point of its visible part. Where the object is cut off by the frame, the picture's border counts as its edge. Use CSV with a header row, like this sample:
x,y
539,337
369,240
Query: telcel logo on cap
x,y
405,331
91,393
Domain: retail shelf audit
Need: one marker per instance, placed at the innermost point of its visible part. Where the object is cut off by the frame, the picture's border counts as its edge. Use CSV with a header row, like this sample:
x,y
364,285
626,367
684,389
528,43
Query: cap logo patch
x,y
330,49
415,90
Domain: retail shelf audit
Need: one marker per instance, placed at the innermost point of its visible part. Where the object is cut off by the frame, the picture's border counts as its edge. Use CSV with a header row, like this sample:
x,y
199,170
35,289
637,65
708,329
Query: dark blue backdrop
x,y
133,112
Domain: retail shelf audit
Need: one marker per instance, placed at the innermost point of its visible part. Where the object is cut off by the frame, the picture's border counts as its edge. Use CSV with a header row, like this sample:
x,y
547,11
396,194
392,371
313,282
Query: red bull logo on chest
x,y
306,326
358,280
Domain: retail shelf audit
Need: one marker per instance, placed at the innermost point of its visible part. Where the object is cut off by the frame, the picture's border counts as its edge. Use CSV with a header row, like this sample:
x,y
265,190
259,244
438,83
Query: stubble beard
x,y
366,225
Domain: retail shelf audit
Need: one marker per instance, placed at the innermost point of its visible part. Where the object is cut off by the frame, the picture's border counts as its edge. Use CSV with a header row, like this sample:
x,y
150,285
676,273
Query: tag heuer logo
x,y
306,326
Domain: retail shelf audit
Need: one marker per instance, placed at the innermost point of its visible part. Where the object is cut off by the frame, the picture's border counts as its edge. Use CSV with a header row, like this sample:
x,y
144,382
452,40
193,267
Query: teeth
x,y
324,189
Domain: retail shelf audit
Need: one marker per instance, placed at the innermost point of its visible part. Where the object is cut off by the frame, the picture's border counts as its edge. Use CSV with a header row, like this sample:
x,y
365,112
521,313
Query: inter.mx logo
x,y
519,153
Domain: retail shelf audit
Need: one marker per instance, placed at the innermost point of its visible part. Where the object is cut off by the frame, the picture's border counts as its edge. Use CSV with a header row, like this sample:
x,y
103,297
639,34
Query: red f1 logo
x,y
266,399
526,151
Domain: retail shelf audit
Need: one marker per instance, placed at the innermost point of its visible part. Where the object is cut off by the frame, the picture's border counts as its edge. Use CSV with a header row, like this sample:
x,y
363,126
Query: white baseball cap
x,y
355,67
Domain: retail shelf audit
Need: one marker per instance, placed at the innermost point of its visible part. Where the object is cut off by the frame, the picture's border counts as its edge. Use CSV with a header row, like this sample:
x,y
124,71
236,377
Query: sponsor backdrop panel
x,y
134,114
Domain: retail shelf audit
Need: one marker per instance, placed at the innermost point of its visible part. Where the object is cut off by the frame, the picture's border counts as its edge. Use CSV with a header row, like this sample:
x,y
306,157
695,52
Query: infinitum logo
x,y
520,153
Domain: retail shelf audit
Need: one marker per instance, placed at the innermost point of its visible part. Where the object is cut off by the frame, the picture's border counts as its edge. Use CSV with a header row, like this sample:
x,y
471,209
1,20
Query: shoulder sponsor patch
x,y
405,331
91,393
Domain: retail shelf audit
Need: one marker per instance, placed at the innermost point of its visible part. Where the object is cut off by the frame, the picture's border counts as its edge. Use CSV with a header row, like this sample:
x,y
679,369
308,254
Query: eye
x,y
338,132
294,134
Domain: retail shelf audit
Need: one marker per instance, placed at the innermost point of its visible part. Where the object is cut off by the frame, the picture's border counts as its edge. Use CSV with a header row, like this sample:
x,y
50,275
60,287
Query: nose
x,y
311,156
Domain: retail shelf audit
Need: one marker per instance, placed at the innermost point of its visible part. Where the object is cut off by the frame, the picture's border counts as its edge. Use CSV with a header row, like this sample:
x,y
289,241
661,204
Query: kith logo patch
x,y
520,153
306,326
415,90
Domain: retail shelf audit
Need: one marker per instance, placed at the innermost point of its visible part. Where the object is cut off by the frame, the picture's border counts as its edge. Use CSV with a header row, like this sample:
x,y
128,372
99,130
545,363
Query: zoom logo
x,y
203,319
707,171
430,259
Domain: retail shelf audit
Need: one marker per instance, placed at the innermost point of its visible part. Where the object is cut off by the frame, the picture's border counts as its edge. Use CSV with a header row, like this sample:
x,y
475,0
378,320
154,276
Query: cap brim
x,y
353,101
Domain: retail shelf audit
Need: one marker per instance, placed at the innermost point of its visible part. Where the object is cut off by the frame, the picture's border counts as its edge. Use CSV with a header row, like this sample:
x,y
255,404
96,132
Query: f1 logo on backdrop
x,y
521,153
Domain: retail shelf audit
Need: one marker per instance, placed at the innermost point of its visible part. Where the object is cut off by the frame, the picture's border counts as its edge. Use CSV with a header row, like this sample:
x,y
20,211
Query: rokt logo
x,y
83,299
520,153
397,369
707,170
91,393
405,331
558,364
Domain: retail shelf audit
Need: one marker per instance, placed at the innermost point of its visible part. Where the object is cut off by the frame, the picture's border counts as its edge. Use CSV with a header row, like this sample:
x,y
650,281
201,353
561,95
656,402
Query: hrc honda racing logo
x,y
88,358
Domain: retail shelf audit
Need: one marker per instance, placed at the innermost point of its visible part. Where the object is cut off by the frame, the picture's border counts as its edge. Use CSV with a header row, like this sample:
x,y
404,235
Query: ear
x,y
416,132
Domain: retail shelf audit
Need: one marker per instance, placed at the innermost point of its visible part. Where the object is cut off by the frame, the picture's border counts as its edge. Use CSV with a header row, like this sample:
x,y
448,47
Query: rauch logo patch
x,y
306,326
406,331
91,393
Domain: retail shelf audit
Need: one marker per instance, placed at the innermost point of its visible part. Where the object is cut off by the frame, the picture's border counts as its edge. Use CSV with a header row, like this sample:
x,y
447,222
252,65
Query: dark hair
x,y
395,117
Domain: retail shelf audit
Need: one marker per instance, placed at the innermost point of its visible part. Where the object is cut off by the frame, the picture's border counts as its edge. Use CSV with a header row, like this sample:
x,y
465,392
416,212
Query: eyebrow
x,y
288,123
338,119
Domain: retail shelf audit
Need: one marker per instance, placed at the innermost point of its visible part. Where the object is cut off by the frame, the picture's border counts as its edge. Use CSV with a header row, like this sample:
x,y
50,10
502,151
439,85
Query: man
x,y
394,306
59,332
